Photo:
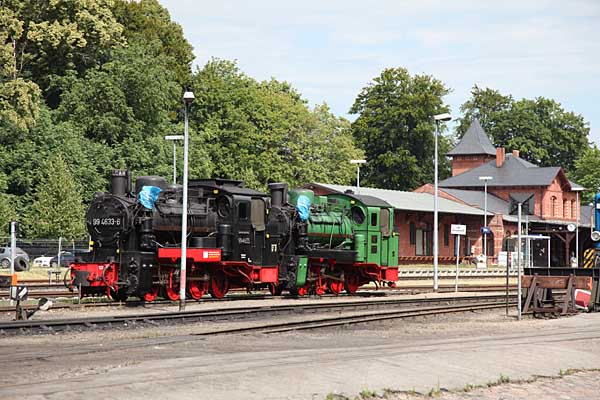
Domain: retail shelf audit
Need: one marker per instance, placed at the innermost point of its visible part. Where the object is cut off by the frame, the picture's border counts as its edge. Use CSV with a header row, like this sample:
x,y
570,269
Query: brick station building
x,y
555,199
461,201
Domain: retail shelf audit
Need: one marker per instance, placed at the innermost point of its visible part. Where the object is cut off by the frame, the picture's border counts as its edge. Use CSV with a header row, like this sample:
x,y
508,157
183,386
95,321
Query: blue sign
x,y
486,230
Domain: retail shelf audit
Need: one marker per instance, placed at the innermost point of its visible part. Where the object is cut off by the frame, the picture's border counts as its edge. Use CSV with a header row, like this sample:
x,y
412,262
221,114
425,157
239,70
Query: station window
x,y
446,235
413,233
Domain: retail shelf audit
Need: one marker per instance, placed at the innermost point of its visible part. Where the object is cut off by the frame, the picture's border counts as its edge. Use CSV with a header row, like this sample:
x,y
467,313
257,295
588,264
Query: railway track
x,y
347,312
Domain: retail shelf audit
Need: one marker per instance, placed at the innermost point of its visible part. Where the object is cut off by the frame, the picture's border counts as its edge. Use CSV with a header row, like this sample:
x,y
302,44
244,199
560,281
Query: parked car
x,y
43,261
66,258
21,260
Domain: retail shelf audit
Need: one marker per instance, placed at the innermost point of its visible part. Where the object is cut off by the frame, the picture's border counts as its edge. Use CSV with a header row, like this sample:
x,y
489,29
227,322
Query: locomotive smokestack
x,y
278,194
118,182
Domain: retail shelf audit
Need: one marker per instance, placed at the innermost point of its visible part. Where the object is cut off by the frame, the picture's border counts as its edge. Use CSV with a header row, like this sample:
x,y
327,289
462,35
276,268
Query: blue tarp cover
x,y
303,207
148,195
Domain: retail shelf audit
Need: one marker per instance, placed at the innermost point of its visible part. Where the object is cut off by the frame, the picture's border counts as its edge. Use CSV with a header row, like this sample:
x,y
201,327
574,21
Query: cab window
x,y
384,224
243,211
257,214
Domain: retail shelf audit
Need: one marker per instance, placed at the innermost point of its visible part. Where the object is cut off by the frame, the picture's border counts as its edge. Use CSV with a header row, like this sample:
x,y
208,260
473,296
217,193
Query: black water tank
x,y
278,193
157,181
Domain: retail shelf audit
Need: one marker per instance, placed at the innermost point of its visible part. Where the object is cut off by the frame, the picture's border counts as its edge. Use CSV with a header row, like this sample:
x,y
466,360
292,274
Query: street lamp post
x,y
577,215
485,180
188,98
357,162
174,139
437,118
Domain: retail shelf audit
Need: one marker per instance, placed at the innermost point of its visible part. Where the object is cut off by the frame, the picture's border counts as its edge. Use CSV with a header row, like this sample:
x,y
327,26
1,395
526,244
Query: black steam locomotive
x,y
236,238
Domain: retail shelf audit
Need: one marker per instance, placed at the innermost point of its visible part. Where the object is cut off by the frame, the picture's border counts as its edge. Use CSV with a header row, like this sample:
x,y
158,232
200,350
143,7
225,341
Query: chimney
x,y
500,152
516,153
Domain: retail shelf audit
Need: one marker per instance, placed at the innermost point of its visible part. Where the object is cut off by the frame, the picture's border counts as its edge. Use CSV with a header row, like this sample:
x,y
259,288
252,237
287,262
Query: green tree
x,y
587,174
146,21
262,132
396,131
52,37
543,132
57,209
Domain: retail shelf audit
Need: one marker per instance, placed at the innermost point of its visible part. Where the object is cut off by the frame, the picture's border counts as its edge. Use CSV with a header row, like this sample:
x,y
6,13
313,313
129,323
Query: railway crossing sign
x,y
588,258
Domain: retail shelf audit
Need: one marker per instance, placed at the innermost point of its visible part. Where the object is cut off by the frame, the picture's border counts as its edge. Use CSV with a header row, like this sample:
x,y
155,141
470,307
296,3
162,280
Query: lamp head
x,y
442,117
188,96
358,161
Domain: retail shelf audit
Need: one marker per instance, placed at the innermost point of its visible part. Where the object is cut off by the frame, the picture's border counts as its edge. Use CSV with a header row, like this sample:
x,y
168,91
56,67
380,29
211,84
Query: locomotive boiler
x,y
237,238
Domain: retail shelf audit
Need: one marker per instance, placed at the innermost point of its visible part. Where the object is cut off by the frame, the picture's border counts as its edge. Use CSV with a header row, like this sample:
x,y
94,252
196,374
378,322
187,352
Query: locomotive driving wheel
x,y
275,289
219,286
196,289
172,292
352,283
335,287
118,295
299,291
151,294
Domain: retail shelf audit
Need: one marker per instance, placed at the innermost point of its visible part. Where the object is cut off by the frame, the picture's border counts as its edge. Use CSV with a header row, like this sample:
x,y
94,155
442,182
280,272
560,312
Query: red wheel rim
x,y
172,293
302,291
336,287
196,289
151,294
219,286
352,283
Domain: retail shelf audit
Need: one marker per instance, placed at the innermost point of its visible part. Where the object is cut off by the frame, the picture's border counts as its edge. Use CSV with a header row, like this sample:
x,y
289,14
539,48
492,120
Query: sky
x,y
330,49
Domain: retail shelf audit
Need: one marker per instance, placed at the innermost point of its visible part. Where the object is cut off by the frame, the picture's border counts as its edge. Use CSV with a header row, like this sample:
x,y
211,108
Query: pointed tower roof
x,y
474,141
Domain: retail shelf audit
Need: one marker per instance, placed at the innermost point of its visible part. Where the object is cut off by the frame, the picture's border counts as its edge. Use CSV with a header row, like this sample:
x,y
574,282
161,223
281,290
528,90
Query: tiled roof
x,y
409,201
476,198
514,172
474,141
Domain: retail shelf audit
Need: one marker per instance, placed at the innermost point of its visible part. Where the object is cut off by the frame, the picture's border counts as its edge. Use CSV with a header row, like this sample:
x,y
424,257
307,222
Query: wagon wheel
x,y
352,283
275,289
150,295
196,289
219,286
335,287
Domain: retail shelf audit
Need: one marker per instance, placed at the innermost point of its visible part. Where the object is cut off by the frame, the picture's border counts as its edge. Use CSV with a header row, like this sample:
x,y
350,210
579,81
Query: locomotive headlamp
x,y
216,191
595,236
352,202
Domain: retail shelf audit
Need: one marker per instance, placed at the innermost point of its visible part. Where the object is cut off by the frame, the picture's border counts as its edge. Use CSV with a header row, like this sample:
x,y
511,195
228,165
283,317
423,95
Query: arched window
x,y
566,213
554,205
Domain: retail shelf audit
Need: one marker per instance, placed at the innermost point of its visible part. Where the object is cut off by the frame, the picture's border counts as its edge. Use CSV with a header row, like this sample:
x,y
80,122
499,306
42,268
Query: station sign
x,y
456,229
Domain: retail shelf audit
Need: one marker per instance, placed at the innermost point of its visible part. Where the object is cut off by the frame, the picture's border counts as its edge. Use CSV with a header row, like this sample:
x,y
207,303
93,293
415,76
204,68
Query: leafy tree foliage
x,y
263,132
587,173
57,209
146,21
52,37
540,129
396,131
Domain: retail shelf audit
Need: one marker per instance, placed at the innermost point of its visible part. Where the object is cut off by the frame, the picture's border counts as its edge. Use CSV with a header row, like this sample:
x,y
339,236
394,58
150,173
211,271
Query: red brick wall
x,y
461,164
